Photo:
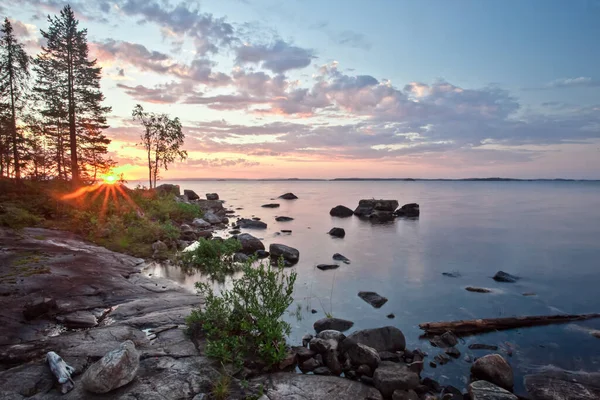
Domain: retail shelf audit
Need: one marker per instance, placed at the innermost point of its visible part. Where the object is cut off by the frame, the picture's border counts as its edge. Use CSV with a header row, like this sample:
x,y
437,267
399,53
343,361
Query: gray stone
x,y
331,334
337,232
361,354
408,210
502,276
200,223
404,395
322,345
190,194
288,196
303,353
115,369
341,212
306,338
389,377
78,320
373,298
332,362
282,218
336,324
309,365
477,289
271,205
240,257
288,253
483,390
251,224
367,207
250,244
388,338
166,188
325,267
322,371
453,352
557,384
212,218
212,196
493,368
339,257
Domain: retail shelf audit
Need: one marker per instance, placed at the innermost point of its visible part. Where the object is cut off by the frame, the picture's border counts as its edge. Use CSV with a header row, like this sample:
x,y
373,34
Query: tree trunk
x,y
474,326
13,122
72,127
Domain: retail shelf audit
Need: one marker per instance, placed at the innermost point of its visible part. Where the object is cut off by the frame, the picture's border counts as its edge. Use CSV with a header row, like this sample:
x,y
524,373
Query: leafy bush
x,y
245,321
16,217
213,257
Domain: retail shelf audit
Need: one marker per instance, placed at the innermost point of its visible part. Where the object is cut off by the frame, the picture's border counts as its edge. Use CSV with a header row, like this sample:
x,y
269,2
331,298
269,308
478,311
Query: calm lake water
x,y
547,233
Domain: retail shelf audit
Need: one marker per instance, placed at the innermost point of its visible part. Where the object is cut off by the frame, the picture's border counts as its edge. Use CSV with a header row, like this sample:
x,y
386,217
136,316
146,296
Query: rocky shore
x,y
123,332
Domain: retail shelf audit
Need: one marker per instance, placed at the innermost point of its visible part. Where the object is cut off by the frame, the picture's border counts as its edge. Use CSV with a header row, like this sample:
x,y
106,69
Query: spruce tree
x,y
14,76
65,60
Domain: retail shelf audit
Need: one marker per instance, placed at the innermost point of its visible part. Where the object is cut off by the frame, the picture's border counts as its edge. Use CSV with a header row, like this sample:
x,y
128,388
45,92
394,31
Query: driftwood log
x,y
474,326
61,370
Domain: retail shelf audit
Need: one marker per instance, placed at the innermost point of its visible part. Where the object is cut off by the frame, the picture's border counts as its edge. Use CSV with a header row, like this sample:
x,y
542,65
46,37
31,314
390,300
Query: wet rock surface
x,y
336,324
288,253
558,384
374,299
341,212
493,368
337,232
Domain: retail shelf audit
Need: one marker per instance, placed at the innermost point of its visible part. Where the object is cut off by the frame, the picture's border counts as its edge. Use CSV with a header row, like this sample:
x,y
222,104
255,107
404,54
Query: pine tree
x,y
14,76
77,79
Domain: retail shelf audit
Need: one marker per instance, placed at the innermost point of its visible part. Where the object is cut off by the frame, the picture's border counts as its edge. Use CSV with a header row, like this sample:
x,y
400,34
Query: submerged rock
x,y
341,212
249,243
479,346
288,253
271,205
373,298
477,289
410,210
288,196
453,274
502,276
283,219
339,257
336,324
493,368
115,369
250,224
337,232
483,390
324,267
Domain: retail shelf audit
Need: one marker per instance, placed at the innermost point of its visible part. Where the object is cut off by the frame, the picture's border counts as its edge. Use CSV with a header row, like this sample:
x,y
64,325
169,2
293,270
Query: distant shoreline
x,y
377,180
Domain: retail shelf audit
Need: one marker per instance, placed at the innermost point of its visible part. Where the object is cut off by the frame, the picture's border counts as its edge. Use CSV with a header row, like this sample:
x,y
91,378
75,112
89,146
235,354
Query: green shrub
x,y
245,321
212,257
16,217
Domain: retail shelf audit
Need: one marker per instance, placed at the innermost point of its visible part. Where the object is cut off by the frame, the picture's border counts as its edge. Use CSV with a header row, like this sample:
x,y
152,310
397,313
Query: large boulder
x,y
251,224
341,212
167,188
288,196
117,368
367,206
493,368
288,253
483,390
249,243
558,384
212,196
408,210
391,376
201,223
215,206
337,232
387,338
190,194
336,324
211,217
359,354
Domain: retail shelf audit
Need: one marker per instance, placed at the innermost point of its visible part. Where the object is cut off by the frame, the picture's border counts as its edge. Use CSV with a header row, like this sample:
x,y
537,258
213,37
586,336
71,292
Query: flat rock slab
x,y
339,257
373,298
563,385
324,267
336,324
291,386
483,390
270,205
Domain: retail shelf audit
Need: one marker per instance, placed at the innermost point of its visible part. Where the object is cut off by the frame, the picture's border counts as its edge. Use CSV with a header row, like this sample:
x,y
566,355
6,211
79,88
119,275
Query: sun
x,y
109,179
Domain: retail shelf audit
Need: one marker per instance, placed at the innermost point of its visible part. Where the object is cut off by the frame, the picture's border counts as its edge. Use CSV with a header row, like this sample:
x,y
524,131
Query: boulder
x,y
240,257
212,218
251,224
271,205
319,345
167,188
405,395
558,384
212,196
322,371
381,216
200,223
368,206
78,320
502,276
483,390
332,362
361,354
336,324
309,365
324,267
115,369
341,212
339,257
204,234
388,338
373,298
288,196
250,244
213,205
493,368
190,194
448,339
410,210
330,334
159,248
283,219
453,352
303,353
390,376
288,253
38,307
337,232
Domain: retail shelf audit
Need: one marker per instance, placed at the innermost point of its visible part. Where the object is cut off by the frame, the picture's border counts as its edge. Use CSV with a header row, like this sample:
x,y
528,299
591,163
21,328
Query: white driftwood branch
x,y
61,370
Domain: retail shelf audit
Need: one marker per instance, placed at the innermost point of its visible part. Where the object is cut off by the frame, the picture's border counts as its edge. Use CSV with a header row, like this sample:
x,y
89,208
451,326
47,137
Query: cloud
x,y
161,94
278,57
220,162
564,83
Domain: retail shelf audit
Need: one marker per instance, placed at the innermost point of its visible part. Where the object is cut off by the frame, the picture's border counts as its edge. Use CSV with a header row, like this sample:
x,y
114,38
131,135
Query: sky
x,y
324,89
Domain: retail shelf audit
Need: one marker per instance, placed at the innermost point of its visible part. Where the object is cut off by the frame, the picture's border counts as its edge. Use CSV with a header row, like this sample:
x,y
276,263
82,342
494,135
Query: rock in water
x,y
341,212
483,390
283,219
324,267
408,210
191,195
115,369
336,324
387,338
390,376
339,257
493,368
373,299
249,243
558,384
270,205
250,224
367,207
288,196
337,232
502,276
477,289
288,253
212,196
